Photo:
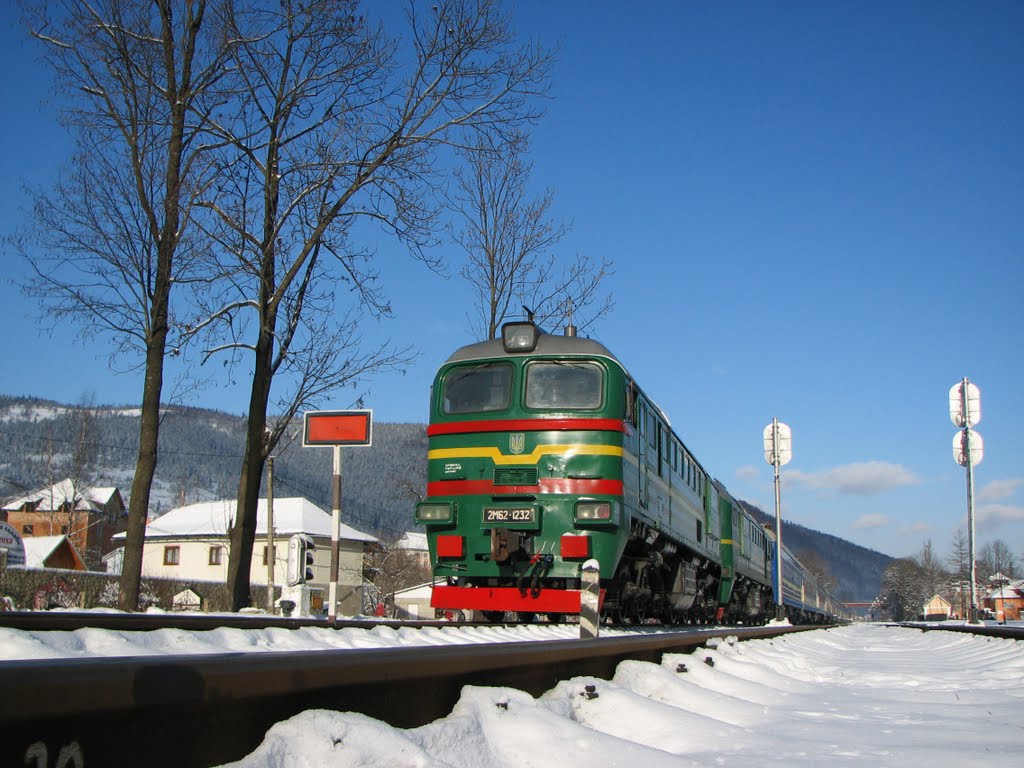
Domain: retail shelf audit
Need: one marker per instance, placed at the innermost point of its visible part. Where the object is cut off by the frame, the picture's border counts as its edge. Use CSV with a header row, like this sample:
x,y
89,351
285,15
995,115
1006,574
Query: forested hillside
x,y
42,442
856,571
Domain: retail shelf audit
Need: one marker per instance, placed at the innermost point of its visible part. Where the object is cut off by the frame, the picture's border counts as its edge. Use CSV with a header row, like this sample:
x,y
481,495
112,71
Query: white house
x,y
191,543
414,603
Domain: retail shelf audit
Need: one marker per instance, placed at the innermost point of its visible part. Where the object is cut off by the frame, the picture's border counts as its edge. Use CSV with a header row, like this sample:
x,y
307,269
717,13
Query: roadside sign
x,y
338,428
335,429
10,540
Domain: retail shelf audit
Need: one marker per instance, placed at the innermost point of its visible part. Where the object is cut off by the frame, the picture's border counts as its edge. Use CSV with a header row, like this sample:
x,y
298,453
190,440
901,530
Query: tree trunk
x,y
243,530
145,465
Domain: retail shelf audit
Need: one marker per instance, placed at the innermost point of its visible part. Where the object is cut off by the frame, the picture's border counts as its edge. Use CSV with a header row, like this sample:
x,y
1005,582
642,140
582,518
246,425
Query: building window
x,y
27,530
215,555
171,555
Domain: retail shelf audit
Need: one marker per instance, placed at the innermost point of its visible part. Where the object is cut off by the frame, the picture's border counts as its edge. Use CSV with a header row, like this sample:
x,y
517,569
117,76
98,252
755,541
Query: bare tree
x,y
391,569
903,594
81,475
335,123
508,239
112,238
959,560
934,577
996,557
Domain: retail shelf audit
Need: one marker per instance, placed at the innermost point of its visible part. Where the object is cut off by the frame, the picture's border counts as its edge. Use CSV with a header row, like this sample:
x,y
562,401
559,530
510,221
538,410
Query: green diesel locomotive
x,y
544,454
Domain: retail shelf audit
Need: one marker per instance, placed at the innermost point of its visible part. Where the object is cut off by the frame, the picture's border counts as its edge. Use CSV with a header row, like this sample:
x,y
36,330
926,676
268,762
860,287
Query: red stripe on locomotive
x,y
546,485
525,425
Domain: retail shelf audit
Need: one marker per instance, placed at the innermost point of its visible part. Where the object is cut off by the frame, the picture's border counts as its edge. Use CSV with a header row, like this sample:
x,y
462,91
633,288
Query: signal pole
x,y
968,450
778,450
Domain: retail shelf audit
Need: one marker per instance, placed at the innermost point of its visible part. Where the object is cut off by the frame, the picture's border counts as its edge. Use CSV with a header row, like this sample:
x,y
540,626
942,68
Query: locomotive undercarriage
x,y
658,579
751,603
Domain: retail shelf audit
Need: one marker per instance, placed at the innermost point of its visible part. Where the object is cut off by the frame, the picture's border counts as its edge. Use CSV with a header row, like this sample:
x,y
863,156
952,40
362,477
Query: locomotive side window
x,y
564,385
477,388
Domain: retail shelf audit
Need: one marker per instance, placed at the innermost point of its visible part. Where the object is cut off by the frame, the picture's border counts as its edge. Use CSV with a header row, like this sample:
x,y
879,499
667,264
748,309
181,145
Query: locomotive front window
x,y
564,385
478,388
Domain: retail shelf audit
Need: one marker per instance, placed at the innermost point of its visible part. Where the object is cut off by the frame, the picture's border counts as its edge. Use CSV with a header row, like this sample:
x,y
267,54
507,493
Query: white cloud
x,y
748,472
918,527
996,514
859,479
1000,490
871,521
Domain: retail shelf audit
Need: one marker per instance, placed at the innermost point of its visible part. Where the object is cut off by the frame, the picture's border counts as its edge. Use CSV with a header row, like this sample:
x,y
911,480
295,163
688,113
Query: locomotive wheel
x,y
495,617
555,618
526,617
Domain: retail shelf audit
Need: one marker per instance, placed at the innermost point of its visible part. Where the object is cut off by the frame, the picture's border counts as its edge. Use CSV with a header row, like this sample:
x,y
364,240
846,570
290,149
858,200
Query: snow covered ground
x,y
20,644
863,695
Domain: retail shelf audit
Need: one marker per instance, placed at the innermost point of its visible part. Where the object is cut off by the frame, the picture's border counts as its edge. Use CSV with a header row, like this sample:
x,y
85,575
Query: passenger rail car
x,y
543,454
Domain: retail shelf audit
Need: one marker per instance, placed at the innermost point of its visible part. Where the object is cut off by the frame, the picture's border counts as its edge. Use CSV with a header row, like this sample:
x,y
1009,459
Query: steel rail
x,y
986,630
202,710
64,621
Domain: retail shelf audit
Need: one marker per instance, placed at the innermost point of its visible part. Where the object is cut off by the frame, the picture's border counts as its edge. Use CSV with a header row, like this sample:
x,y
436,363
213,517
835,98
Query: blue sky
x,y
815,211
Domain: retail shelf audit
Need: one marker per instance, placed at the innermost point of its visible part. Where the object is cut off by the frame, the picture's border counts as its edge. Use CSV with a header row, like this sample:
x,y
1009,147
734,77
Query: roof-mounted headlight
x,y
519,337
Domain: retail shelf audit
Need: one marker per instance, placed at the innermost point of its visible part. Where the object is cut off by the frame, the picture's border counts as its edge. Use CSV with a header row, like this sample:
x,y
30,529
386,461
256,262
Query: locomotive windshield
x,y
564,385
478,388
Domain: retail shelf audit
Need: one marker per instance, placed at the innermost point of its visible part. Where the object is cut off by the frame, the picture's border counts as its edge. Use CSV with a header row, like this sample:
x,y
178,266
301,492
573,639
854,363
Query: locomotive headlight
x,y
595,511
519,337
433,512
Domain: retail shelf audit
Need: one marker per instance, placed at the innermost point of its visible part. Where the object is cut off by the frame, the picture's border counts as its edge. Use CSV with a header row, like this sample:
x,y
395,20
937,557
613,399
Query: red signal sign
x,y
338,428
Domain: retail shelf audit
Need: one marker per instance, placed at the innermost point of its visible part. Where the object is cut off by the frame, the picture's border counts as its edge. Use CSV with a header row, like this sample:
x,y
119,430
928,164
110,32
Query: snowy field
x,y
863,695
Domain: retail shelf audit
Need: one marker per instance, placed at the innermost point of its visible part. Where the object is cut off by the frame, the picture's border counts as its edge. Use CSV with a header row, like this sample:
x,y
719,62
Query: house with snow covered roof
x,y
52,552
190,543
88,516
937,608
1006,599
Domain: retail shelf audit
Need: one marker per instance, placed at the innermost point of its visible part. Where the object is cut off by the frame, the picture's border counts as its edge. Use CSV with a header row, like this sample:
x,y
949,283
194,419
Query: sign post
x,y
778,450
336,429
968,450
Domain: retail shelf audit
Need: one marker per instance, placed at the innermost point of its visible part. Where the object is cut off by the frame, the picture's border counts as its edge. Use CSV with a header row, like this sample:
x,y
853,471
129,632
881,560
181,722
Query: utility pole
x,y
271,558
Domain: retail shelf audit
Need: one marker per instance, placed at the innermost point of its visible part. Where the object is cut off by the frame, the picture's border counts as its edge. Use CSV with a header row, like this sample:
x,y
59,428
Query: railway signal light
x,y
300,559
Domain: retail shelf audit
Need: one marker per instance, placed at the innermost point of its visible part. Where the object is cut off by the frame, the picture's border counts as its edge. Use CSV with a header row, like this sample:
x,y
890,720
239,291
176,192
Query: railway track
x,y
201,710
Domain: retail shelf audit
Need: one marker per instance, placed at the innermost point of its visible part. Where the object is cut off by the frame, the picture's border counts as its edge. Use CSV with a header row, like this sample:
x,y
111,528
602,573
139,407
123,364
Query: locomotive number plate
x,y
510,515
